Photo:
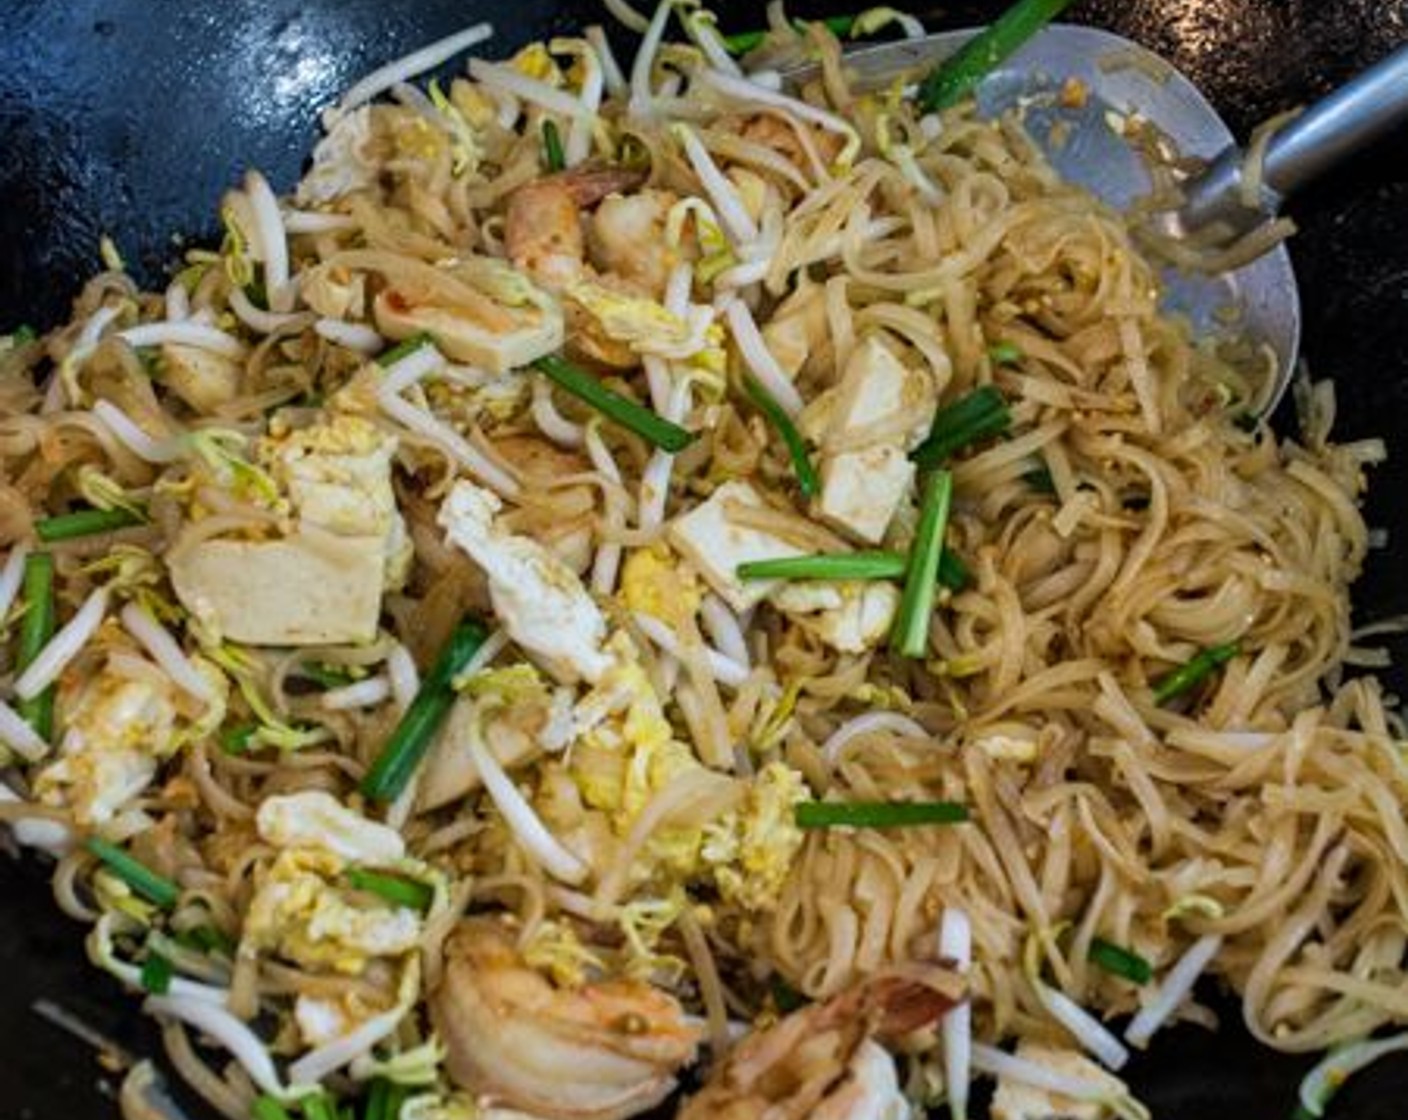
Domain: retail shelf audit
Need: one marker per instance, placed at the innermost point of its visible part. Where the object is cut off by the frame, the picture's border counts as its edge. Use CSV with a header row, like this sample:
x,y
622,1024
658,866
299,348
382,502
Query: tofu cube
x,y
861,490
716,545
299,591
864,480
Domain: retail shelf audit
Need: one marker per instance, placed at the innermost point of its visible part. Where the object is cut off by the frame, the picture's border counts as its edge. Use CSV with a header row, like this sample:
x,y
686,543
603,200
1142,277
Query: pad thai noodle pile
x,y
666,585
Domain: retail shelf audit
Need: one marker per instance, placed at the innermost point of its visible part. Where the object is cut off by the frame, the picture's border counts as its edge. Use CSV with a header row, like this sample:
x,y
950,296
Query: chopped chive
x,y
318,1106
404,349
878,814
655,430
1120,961
236,740
267,1108
807,481
398,891
785,997
326,676
136,874
23,335
875,564
206,939
1247,421
413,736
1040,480
36,628
384,1100
1194,671
744,41
1005,353
974,416
864,565
910,636
156,974
85,523
257,294
552,147
959,74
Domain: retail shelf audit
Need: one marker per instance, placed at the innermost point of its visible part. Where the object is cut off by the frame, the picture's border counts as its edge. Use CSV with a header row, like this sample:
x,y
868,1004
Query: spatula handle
x,y
1328,132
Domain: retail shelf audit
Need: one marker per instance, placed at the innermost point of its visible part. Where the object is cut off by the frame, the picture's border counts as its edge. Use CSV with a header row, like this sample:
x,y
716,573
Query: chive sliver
x,y
413,736
974,416
910,637
393,888
155,888
267,1108
36,629
744,41
959,74
318,1106
85,523
325,676
1194,671
404,349
1005,353
553,158
156,974
878,814
654,429
1120,961
807,481
863,565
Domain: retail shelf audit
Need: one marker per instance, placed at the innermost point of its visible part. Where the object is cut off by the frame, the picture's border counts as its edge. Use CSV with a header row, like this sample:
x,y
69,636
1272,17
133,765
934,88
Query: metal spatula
x,y
1087,146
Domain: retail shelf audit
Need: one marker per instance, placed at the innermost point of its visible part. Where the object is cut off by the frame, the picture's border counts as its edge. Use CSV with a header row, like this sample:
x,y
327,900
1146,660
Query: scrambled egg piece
x,y
655,582
298,912
316,819
338,474
118,728
643,324
540,601
342,161
751,850
628,752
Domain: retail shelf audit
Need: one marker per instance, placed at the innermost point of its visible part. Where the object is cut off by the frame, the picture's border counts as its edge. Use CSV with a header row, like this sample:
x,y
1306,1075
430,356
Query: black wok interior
x,y
131,117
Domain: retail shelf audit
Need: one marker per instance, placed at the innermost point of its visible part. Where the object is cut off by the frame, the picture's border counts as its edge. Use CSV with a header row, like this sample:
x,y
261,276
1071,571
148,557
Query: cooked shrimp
x,y
543,230
603,1052
821,1062
626,237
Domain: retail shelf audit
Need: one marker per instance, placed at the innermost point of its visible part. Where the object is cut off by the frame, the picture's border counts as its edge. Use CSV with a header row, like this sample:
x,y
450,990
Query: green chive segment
x,y
553,159
268,1108
413,736
326,676
655,430
910,637
1194,671
36,629
384,1100
1120,961
156,974
85,523
136,874
975,416
394,889
959,74
404,349
807,481
863,565
318,1106
1005,353
878,814
744,41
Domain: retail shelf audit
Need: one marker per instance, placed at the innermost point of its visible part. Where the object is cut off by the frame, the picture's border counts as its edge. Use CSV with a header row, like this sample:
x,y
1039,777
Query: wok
x,y
131,117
